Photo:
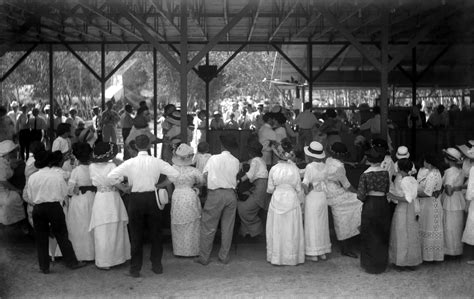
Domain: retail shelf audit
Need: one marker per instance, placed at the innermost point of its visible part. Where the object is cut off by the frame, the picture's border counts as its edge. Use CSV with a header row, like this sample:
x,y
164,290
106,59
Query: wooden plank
x,y
288,14
166,15
125,59
102,75
228,59
215,40
17,63
348,35
84,63
254,22
288,59
433,62
321,71
51,94
384,74
138,23
183,71
194,69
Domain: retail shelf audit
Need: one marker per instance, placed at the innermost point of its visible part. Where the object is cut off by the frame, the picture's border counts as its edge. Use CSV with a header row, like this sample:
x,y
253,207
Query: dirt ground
x,y
247,275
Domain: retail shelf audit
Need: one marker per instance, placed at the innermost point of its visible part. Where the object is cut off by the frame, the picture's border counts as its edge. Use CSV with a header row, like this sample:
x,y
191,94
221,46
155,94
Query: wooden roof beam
x,y
323,69
104,16
17,63
254,22
24,28
433,62
166,15
288,59
215,40
285,18
348,35
82,61
141,27
226,17
122,62
310,23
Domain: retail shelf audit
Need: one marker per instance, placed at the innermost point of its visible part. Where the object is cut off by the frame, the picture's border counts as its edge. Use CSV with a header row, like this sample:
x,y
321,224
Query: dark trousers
x,y
24,140
36,135
49,216
142,212
125,133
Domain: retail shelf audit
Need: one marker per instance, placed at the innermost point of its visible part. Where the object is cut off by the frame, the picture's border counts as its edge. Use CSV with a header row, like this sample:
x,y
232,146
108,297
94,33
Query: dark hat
x,y
331,113
63,128
255,147
56,159
375,155
82,151
203,147
104,152
228,142
42,159
338,149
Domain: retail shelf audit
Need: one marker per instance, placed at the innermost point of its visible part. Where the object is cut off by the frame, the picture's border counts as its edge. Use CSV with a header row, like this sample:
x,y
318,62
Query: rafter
x,y
288,14
311,22
219,35
327,64
166,15
288,59
226,18
254,22
17,63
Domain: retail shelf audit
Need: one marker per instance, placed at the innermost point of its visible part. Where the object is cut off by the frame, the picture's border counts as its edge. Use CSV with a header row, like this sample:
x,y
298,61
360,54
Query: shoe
x,y
45,271
323,257
201,261
133,274
313,258
225,261
77,265
349,254
157,270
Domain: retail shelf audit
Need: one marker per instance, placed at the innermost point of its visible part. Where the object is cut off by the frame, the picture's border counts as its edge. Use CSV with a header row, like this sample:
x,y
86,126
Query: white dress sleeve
x,y
409,186
470,185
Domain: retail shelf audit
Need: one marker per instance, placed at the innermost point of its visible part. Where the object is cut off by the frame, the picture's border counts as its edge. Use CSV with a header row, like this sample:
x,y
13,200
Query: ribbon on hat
x,y
315,151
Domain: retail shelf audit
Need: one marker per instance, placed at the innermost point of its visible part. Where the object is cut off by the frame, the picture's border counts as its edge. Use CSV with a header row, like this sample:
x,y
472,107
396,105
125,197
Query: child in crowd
x,y
80,205
453,203
185,207
202,155
257,175
405,246
317,242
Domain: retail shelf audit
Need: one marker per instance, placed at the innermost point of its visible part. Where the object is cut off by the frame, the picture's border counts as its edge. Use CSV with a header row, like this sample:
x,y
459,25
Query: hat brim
x,y
451,158
338,155
405,156
8,149
466,151
178,161
105,157
310,154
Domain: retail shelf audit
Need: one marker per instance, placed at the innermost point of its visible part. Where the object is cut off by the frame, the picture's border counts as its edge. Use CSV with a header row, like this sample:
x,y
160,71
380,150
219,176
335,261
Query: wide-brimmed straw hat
x,y
7,146
453,155
315,150
104,152
284,151
87,135
228,142
183,155
338,150
402,152
175,118
375,155
467,149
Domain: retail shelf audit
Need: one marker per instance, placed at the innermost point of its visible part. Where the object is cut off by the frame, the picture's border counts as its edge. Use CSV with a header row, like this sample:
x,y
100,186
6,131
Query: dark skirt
x,y
375,234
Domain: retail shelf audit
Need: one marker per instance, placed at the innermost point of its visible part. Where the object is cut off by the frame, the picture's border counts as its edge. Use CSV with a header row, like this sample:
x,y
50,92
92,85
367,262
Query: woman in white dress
x,y
185,204
346,209
316,223
109,218
468,168
285,235
453,203
431,212
79,212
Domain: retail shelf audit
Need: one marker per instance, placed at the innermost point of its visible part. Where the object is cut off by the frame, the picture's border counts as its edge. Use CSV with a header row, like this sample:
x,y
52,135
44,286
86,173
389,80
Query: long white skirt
x,y
112,245
316,224
78,218
468,234
285,234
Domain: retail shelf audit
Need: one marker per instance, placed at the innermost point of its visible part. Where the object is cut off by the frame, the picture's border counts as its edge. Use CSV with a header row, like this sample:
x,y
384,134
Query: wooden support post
x,y
183,71
102,74
51,95
309,58
208,82
384,74
155,99
17,63
414,75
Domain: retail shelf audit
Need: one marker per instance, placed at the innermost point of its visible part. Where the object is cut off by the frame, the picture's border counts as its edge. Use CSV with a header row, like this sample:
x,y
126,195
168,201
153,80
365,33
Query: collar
x,y
142,153
374,169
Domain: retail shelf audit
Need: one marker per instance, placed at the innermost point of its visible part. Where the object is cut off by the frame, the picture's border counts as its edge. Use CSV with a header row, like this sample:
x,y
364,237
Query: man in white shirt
x,y
266,136
13,114
126,122
221,203
306,121
47,189
143,173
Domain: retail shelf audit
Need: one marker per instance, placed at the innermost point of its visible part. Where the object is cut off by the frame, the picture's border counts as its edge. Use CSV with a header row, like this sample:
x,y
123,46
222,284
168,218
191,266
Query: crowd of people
x,y
96,207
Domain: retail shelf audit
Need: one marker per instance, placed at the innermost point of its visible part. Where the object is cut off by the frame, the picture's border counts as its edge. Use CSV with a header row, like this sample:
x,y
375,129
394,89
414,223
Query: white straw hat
x,y
402,152
315,150
467,149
